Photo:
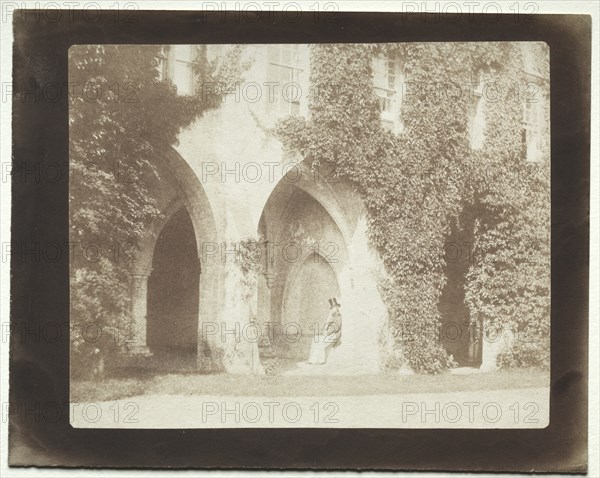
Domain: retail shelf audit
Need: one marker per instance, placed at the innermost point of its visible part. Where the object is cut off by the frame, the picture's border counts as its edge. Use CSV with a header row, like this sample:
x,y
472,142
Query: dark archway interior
x,y
458,336
173,294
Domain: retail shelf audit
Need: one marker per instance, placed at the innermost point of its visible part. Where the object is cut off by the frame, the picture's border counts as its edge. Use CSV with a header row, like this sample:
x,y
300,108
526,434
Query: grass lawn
x,y
295,385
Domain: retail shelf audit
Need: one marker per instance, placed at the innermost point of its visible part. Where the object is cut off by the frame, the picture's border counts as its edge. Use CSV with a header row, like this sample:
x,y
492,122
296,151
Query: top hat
x,y
333,303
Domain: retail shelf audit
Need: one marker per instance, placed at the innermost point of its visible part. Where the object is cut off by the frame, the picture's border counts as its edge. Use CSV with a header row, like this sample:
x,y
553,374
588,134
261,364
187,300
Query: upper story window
x,y
532,114
534,100
476,117
386,76
531,131
384,80
183,68
163,64
284,74
177,64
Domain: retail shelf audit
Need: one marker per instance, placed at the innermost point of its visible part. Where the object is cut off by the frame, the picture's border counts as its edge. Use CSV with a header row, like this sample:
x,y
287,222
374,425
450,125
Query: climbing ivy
x,y
249,260
418,185
509,284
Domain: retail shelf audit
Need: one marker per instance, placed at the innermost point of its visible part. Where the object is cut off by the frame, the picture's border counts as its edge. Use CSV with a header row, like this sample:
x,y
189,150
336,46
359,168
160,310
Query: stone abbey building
x,y
229,183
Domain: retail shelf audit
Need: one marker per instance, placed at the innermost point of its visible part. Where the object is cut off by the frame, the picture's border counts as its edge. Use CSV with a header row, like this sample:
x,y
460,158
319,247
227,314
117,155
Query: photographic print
x,y
310,236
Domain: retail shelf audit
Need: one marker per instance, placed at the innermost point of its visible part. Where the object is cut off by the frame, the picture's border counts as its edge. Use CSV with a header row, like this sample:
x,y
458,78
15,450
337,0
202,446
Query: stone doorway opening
x,y
173,295
304,265
461,334
309,287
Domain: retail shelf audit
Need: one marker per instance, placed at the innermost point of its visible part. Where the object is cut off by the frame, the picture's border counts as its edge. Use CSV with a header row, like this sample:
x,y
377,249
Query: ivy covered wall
x,y
425,185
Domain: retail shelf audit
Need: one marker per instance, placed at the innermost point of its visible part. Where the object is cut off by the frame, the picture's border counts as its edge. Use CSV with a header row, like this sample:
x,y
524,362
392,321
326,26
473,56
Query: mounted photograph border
x,y
39,369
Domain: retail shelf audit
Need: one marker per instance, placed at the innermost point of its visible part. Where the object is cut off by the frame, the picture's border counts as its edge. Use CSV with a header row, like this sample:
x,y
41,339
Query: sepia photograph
x,y
299,237
325,235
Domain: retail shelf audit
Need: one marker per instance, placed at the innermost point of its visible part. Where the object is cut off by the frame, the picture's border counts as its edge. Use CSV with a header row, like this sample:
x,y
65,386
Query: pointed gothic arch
x,y
177,181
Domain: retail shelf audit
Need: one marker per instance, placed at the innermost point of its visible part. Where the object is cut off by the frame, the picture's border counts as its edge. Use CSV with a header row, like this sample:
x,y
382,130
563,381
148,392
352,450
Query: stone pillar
x,y
363,311
210,347
266,281
139,310
203,351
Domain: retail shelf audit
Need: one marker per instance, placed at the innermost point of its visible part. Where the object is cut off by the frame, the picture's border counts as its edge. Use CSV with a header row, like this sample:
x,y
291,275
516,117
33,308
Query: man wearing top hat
x,y
332,335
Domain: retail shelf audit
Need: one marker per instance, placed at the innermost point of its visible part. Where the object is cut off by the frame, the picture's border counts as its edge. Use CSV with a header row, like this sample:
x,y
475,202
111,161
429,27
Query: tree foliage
x,y
123,119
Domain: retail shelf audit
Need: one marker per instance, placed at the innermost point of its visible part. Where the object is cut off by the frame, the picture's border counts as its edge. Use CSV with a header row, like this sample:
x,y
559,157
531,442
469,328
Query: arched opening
x,y
173,294
305,305
306,254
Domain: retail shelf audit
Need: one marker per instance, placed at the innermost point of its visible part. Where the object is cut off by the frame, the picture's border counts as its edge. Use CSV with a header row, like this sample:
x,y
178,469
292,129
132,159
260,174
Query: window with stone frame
x,y
183,68
176,63
163,64
476,119
385,82
533,101
284,74
531,130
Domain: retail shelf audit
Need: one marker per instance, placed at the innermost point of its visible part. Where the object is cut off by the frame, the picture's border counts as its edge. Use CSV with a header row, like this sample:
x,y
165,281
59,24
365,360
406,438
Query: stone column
x,y
363,310
139,310
265,285
207,321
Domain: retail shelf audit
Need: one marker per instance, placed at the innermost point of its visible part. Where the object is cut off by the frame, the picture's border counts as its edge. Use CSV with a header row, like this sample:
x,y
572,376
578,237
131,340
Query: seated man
x,y
332,335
